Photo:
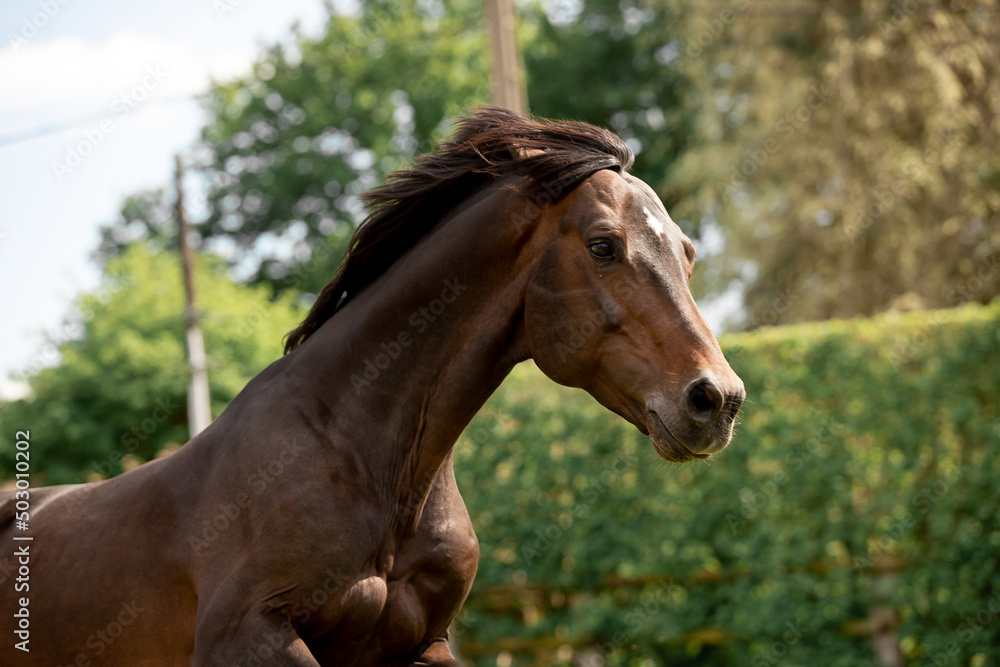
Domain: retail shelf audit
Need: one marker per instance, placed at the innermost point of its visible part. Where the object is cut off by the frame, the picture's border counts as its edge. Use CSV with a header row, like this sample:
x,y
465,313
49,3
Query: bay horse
x,y
317,520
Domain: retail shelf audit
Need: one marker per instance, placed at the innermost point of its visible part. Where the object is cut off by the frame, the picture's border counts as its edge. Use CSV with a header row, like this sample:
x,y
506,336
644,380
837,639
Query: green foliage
x,y
842,159
118,394
290,147
293,144
862,482
848,152
613,64
146,217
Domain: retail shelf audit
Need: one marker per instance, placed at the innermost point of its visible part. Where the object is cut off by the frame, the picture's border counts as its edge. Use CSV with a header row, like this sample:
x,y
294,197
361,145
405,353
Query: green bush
x,y
858,497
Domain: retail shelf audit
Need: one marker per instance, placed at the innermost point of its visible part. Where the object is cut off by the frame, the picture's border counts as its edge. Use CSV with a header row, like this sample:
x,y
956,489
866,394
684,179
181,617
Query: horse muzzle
x,y
703,424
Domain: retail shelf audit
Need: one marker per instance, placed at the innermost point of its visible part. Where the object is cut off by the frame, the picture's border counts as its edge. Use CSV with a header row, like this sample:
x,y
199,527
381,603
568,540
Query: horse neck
x,y
405,364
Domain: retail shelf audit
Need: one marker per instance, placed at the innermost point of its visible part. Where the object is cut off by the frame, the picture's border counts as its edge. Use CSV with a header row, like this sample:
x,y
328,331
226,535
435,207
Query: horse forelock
x,y
553,157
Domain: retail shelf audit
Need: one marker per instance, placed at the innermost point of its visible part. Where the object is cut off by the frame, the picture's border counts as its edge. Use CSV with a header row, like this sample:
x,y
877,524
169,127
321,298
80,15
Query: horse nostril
x,y
704,401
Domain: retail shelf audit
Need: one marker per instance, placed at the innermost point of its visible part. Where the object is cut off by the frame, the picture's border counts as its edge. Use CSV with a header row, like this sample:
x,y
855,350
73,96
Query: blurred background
x,y
836,163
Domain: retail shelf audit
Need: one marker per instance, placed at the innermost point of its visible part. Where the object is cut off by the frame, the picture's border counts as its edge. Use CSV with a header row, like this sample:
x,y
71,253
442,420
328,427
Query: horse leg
x,y
437,654
261,638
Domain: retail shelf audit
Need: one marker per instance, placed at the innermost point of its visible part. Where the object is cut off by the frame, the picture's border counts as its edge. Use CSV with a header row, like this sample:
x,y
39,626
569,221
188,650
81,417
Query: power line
x,y
49,129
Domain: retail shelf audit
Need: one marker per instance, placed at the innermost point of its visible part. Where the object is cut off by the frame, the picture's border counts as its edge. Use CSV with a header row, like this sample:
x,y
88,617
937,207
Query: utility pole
x,y
198,404
508,84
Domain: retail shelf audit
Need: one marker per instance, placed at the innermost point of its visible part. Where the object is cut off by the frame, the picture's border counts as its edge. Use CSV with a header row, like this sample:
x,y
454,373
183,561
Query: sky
x,y
96,99
130,71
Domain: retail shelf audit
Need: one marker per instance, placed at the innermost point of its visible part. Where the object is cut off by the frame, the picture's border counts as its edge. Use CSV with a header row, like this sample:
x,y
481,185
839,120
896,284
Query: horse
x,y
317,520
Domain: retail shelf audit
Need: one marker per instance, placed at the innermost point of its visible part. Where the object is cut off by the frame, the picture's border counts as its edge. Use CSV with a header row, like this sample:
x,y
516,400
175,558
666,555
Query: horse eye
x,y
602,249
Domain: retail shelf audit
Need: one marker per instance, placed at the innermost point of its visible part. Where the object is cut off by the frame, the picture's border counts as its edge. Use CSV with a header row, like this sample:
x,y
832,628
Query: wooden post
x,y
198,402
508,84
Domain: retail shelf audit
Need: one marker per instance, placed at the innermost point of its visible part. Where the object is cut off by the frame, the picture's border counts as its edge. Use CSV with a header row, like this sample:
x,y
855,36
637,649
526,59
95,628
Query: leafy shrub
x,y
858,496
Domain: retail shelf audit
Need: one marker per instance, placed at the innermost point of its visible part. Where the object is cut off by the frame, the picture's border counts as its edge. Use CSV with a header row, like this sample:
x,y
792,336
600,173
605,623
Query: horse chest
x,y
433,568
437,537
428,572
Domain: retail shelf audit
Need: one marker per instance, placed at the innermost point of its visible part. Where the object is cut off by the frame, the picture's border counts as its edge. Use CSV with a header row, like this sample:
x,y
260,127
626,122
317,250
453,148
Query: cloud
x,y
12,390
74,75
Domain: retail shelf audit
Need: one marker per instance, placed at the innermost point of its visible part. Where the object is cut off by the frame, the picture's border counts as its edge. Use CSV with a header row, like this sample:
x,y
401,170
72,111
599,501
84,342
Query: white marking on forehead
x,y
654,223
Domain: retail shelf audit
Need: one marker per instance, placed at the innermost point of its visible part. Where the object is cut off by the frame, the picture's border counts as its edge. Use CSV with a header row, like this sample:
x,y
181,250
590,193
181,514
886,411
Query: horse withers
x,y
317,520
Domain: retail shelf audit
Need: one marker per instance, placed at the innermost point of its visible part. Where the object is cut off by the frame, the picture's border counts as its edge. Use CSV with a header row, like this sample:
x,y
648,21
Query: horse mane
x,y
554,157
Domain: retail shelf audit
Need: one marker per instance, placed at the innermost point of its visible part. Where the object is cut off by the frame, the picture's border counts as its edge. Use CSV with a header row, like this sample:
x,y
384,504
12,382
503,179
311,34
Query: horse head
x,y
609,310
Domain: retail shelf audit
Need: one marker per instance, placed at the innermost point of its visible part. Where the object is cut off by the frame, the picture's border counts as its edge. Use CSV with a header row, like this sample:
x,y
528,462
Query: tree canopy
x,y
833,159
290,146
848,153
117,396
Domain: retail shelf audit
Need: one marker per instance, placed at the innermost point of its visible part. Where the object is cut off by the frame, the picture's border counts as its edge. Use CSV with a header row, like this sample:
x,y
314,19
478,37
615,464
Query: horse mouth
x,y
666,444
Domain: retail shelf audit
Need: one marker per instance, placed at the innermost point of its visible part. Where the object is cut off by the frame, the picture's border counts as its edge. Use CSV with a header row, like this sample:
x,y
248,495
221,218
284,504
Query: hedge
x,y
856,508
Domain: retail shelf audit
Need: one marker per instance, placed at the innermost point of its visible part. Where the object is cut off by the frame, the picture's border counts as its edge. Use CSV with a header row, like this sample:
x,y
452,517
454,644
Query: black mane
x,y
494,143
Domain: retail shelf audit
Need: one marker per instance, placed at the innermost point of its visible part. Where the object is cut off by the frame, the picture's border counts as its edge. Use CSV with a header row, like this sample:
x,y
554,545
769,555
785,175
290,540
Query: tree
x,y
117,397
841,159
147,217
290,147
614,64
849,154
293,145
